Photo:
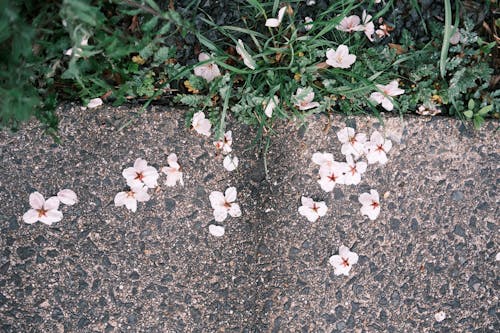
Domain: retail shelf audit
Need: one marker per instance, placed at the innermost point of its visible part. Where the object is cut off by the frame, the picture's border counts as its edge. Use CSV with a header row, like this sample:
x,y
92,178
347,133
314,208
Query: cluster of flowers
x,y
223,204
142,177
332,173
47,211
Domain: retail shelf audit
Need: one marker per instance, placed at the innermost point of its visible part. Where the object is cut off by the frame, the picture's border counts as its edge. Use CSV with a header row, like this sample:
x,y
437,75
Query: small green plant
x,y
477,115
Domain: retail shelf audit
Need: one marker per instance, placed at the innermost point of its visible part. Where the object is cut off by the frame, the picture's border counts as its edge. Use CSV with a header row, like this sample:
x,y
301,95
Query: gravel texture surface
x,y
105,269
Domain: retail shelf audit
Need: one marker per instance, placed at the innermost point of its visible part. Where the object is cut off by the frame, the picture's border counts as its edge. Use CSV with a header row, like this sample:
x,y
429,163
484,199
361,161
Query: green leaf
x,y
485,110
150,25
468,114
478,121
471,104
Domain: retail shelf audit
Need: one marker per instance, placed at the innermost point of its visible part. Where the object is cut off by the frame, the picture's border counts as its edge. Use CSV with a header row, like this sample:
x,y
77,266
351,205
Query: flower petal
x,y
67,197
217,200
230,194
31,216
216,230
36,200
220,214
52,203
235,210
51,216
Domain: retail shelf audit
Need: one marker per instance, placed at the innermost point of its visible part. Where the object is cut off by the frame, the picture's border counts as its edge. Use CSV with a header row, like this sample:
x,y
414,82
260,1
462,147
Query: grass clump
x,y
145,51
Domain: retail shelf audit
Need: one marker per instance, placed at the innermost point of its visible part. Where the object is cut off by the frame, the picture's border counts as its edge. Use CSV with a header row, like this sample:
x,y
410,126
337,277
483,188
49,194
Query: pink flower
x,y
322,159
216,230
377,148
224,204
130,198
141,174
354,171
369,27
352,142
208,71
350,24
308,23
173,171
340,58
200,124
330,175
247,58
312,210
43,211
386,93
370,204
273,102
230,163
342,262
225,143
304,99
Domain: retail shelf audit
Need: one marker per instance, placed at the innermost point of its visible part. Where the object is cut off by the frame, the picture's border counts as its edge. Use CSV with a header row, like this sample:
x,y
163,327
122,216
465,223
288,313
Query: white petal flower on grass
x,y
340,58
354,171
384,97
352,142
247,58
350,24
216,230
67,197
271,105
225,143
94,102
304,99
331,175
84,42
129,199
322,159
209,70
224,204
312,210
42,210
342,262
275,22
370,204
369,27
308,23
377,148
230,163
200,124
141,174
173,171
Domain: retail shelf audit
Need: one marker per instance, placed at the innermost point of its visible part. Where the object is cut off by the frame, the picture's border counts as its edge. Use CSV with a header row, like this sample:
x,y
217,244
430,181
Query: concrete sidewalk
x,y
106,269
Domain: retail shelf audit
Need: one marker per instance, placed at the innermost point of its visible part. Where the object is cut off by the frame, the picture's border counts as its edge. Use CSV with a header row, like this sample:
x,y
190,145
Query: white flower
x,y
371,204
247,59
94,102
354,171
216,230
131,197
275,22
308,23
368,25
304,99
350,24
352,142
322,159
342,262
230,163
332,174
200,124
340,58
43,211
225,143
173,171
141,174
312,210
377,148
440,316
384,97
84,42
223,204
209,70
273,102
67,197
